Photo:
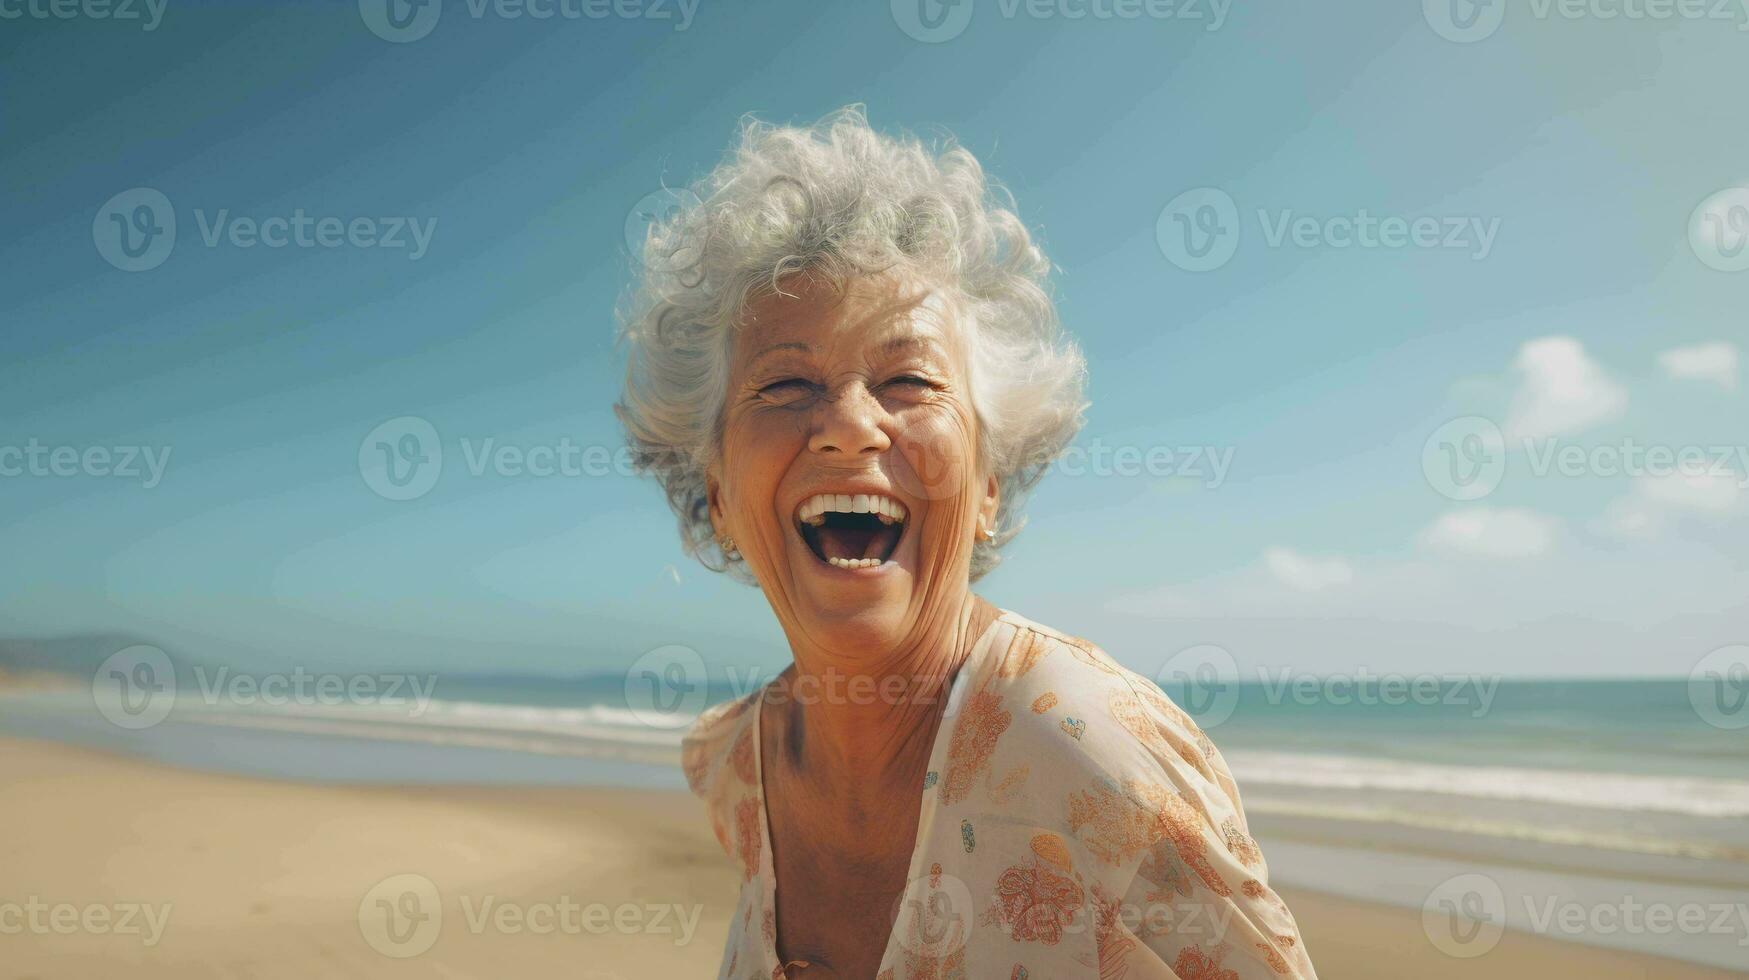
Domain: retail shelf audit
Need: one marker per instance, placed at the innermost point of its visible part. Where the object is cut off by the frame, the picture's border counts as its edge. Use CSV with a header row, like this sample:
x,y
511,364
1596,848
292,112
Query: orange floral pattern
x,y
1052,849
1034,903
1194,964
747,836
1043,831
1137,719
741,756
1240,844
1114,941
1025,651
981,723
1163,868
1273,958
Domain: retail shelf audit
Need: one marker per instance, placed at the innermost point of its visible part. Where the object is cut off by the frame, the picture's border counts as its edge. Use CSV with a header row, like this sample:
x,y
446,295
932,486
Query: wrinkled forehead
x,y
866,318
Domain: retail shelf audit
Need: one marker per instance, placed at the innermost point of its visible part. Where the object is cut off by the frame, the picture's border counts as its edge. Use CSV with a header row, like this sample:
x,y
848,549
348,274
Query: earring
x,y
989,533
727,544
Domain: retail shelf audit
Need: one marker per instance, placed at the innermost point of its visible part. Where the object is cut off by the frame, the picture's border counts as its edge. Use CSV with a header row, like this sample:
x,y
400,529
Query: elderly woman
x,y
846,373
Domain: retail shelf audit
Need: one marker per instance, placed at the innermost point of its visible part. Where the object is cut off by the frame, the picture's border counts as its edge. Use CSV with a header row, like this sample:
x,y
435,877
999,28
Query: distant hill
x,y
76,657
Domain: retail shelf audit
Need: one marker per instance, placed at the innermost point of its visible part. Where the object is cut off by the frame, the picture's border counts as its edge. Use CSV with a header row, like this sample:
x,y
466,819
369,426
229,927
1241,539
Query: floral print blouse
x,y
1074,823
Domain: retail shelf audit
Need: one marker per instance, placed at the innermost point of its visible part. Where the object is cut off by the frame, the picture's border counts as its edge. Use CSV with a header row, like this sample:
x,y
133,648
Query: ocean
x,y
1627,781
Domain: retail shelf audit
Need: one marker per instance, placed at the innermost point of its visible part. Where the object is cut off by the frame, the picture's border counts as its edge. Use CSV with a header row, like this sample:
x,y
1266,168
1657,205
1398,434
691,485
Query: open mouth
x,y
856,530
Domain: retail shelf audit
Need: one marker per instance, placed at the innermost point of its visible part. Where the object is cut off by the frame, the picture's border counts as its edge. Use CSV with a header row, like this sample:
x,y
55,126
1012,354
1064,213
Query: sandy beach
x,y
113,864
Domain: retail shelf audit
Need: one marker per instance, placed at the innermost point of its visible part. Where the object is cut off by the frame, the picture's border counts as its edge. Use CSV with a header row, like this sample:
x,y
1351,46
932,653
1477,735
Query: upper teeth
x,y
814,509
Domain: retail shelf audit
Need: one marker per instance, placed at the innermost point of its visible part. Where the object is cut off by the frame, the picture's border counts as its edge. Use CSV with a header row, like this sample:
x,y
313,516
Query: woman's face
x,y
848,475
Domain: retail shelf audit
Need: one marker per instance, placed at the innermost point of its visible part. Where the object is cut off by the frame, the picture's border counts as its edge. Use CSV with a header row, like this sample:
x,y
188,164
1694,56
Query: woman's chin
x,y
865,606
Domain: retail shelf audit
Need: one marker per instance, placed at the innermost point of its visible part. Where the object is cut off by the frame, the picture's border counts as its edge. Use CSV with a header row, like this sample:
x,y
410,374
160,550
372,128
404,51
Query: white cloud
x,y
1561,391
1304,573
1715,362
1713,493
1630,517
1487,532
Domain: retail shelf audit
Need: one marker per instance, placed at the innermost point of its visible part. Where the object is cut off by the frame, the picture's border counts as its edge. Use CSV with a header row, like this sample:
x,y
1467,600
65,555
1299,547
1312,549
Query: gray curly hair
x,y
838,200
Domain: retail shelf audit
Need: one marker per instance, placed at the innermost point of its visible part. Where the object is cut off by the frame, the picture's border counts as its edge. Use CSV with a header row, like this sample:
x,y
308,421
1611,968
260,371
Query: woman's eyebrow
x,y
786,345
905,344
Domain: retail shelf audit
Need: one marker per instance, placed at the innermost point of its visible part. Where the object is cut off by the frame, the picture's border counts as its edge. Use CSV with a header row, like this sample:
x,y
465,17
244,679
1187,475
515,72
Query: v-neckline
x,y
926,805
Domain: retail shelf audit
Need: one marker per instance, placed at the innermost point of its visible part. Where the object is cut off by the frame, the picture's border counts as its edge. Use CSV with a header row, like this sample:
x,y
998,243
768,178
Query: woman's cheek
x,y
749,484
936,448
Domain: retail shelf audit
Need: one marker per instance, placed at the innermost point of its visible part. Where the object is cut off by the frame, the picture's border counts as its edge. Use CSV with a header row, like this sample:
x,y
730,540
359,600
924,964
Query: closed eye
x,y
786,390
911,379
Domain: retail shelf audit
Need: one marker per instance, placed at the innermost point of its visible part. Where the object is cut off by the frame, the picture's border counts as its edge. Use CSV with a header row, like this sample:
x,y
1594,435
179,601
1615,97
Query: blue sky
x,y
522,146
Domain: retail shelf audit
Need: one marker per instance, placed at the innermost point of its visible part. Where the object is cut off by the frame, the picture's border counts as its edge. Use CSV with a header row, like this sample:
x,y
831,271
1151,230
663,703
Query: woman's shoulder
x,y
1067,693
1033,657
719,746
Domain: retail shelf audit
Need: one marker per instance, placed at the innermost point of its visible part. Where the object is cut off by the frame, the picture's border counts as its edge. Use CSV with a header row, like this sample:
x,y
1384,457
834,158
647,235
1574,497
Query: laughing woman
x,y
846,373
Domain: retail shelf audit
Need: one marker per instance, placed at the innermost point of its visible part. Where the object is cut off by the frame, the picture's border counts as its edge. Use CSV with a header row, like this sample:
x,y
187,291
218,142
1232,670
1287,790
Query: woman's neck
x,y
849,723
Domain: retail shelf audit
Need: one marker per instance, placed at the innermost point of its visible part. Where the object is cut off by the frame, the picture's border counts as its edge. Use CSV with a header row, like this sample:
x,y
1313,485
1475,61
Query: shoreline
x,y
271,878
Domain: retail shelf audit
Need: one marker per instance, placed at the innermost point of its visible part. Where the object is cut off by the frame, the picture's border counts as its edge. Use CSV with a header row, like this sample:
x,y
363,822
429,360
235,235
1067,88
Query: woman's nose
x,y
849,422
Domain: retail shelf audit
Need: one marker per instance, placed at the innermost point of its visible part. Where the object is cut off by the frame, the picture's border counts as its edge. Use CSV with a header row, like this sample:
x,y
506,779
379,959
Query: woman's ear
x,y
991,504
713,498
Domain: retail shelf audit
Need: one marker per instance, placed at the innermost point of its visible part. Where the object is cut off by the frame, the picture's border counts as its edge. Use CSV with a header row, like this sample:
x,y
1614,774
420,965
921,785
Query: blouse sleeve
x,y
1195,897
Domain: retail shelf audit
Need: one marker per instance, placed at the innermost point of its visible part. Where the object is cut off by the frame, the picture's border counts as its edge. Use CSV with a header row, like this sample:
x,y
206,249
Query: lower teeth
x,y
854,562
